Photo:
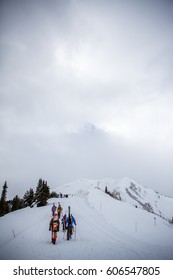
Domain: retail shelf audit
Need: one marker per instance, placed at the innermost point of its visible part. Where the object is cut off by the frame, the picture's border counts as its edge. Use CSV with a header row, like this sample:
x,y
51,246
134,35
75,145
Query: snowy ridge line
x,y
107,229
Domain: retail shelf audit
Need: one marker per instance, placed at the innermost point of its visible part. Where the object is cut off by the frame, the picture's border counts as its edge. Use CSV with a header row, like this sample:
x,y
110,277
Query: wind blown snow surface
x,y
135,227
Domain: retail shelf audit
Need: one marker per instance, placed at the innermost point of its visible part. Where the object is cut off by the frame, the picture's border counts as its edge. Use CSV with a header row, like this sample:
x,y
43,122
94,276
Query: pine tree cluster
x,y
38,197
42,193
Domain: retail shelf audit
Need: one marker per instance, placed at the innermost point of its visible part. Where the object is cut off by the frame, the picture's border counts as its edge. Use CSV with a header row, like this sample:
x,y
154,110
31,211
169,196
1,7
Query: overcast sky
x,y
86,91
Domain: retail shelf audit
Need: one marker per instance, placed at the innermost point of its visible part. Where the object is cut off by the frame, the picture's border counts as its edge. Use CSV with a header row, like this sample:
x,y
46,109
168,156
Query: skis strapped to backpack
x,y
68,225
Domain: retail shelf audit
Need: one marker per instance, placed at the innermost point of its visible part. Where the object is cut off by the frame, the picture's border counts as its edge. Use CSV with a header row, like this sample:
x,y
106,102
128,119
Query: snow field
x,y
106,229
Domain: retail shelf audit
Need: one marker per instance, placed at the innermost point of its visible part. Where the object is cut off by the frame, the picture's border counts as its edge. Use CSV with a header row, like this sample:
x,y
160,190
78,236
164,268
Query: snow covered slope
x,y
144,198
107,228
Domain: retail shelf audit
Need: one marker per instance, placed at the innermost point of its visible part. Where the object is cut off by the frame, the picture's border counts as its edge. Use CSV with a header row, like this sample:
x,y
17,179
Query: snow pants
x,y
54,236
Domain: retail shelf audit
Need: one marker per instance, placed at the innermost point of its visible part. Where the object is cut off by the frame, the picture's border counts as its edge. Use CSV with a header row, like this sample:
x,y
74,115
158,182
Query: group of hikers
x,y
67,222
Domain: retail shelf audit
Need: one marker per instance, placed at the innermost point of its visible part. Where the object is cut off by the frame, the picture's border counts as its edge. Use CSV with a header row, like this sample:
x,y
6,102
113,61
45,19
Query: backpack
x,y
53,208
59,208
55,226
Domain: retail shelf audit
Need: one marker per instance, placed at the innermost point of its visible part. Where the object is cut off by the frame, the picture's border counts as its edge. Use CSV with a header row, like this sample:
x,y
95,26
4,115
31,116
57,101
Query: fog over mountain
x,y
86,92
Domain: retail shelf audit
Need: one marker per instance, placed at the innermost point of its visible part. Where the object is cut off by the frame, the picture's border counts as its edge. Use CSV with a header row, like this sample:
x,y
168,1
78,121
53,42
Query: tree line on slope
x,y
38,197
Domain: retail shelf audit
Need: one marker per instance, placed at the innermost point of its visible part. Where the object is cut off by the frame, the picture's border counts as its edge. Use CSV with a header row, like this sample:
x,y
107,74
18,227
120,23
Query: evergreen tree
x,y
22,204
29,197
39,191
16,203
53,194
4,207
42,193
46,192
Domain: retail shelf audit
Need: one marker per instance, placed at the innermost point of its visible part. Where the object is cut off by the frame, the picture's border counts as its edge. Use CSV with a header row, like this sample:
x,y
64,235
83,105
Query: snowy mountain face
x,y
128,222
147,199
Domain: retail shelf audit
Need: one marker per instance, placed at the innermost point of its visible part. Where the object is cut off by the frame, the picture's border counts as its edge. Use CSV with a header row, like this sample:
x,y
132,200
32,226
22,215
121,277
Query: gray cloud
x,y
86,91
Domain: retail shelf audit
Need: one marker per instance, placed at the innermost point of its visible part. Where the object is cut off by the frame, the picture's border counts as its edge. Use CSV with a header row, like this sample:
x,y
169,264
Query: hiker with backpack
x,y
59,210
54,227
53,209
70,222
